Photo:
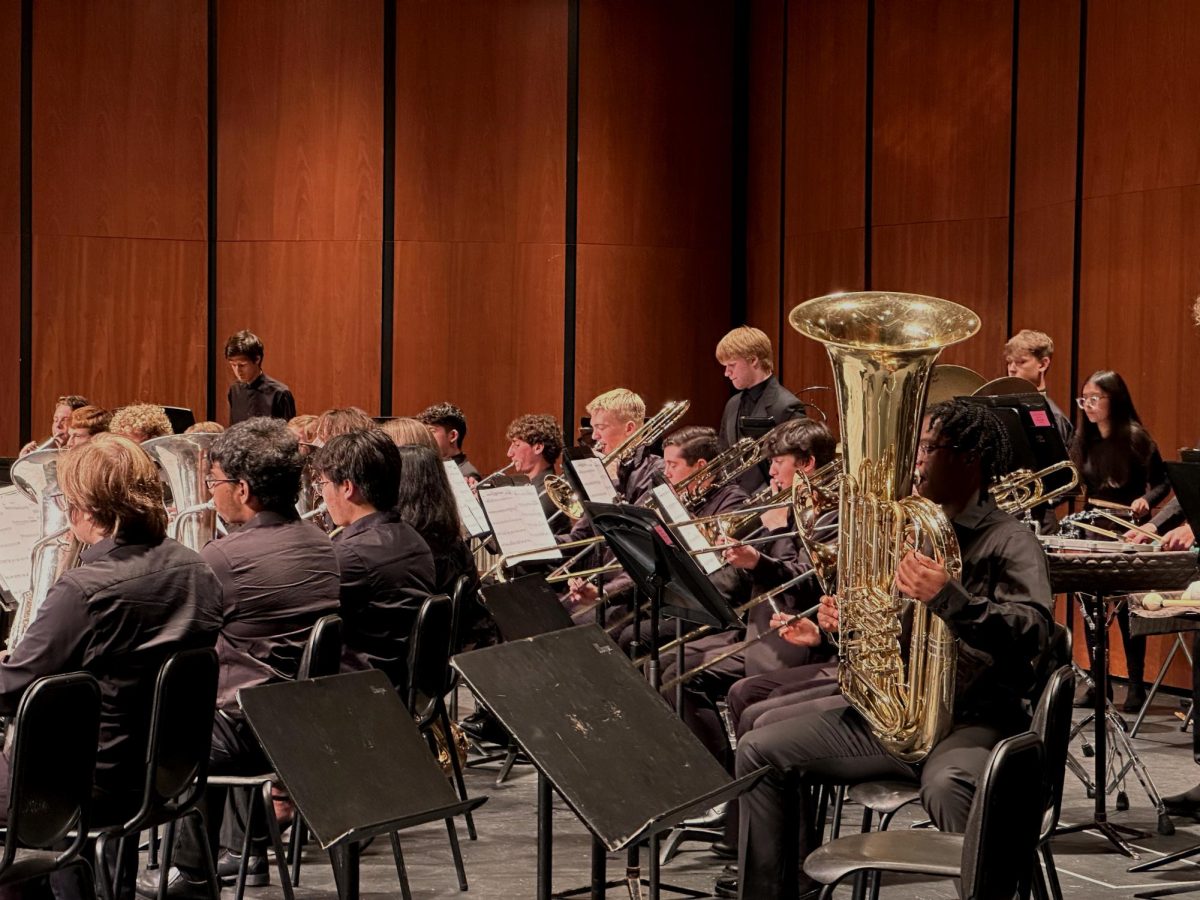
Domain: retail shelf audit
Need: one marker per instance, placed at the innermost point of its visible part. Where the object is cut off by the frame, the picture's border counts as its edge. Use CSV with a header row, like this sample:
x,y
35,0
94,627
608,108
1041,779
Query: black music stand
x,y
582,740
180,417
353,762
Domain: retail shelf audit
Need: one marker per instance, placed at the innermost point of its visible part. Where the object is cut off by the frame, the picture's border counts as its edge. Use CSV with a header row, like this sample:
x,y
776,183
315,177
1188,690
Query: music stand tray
x,y
524,607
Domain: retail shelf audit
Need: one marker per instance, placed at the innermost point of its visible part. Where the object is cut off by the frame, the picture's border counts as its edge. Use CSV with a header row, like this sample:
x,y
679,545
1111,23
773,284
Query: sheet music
x,y
518,523
20,528
597,486
469,510
691,535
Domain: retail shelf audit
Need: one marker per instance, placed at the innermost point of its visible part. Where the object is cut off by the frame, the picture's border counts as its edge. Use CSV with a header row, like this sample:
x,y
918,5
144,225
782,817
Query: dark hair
x,y
448,416
538,429
972,428
72,400
245,343
263,453
1128,439
802,438
695,442
368,459
425,501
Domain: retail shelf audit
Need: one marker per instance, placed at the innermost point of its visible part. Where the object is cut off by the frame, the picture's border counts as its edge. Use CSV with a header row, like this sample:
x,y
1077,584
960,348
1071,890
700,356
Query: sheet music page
x,y
469,510
20,528
518,523
598,487
691,535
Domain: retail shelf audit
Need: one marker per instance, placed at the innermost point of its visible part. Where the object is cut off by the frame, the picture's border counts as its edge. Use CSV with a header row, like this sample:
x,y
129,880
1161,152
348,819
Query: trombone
x,y
1022,490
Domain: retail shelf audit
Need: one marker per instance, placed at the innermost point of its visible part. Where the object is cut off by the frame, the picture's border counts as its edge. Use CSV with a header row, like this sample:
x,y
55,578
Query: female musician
x,y
87,422
406,431
1118,462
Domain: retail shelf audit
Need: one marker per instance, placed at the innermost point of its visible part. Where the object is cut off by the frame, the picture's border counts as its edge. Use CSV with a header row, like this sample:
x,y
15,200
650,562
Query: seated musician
x,y
304,428
1001,612
136,598
405,431
448,426
87,422
59,425
140,422
749,363
279,576
341,420
205,427
387,571
534,445
254,393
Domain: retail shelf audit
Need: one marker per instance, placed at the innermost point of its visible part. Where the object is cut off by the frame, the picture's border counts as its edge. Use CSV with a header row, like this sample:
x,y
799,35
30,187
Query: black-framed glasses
x,y
209,482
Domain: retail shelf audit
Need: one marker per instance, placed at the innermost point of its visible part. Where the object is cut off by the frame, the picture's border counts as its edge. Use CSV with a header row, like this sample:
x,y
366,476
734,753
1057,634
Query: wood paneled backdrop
x,y
951,147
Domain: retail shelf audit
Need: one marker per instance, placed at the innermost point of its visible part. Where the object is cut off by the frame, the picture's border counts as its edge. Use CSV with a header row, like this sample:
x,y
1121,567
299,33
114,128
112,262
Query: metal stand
x,y
1180,644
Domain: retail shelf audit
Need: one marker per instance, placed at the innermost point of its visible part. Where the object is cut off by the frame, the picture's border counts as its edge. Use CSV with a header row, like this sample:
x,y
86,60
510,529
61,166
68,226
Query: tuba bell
x,y
883,347
183,461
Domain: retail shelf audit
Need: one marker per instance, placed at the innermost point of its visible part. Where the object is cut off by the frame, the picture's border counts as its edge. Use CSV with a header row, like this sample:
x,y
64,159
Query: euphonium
x,y
883,347
183,460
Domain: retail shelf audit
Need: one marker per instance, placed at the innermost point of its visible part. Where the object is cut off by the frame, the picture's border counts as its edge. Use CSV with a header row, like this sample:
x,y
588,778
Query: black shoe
x,y
1134,698
724,850
483,726
713,818
179,886
258,873
1185,804
726,886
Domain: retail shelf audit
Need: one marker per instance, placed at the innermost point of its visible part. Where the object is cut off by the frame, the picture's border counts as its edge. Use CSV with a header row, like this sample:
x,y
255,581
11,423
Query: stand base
x,y
1112,832
634,883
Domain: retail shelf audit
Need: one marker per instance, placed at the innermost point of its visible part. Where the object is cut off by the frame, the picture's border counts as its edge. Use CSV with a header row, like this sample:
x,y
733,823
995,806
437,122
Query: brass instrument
x,y
882,347
559,490
727,465
183,461
1020,491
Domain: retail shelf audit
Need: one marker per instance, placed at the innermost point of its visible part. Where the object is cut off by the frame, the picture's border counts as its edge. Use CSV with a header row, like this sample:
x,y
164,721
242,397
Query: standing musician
x,y
448,426
254,393
749,365
279,576
1028,355
1001,612
59,425
387,570
534,445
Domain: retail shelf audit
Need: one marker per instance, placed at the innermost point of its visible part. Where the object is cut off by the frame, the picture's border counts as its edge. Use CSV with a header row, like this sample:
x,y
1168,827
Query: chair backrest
x,y
53,762
1052,723
1006,815
458,599
323,652
181,722
429,650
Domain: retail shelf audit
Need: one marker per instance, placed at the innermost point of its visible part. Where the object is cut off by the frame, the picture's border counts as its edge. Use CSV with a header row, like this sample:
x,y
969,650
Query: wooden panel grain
x,y
300,120
10,347
10,226
479,325
481,120
1143,96
1043,265
119,321
943,75
315,304
119,130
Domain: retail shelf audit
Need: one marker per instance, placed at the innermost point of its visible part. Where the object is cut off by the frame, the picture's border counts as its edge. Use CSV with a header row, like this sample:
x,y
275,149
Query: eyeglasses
x,y
209,482
1089,402
925,448
319,484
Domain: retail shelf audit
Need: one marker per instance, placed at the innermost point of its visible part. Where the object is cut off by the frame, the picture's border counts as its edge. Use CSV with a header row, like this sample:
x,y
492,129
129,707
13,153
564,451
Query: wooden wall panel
x,y
480,212
654,200
10,226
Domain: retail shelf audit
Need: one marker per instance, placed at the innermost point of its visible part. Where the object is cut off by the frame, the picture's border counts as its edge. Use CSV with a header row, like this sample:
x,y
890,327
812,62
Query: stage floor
x,y
501,864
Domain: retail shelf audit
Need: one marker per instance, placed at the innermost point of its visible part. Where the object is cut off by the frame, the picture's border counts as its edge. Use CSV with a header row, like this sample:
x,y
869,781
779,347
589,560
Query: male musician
x,y
1001,612
749,365
1028,355
534,445
254,393
279,575
448,426
85,423
136,598
140,422
60,423
387,570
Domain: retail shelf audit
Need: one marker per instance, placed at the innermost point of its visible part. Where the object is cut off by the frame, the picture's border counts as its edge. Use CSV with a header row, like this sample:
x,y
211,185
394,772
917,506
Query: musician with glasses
x,y
59,425
1001,611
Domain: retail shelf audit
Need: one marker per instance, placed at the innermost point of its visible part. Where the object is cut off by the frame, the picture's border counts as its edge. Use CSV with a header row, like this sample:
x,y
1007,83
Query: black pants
x,y
1196,696
774,696
836,746
702,692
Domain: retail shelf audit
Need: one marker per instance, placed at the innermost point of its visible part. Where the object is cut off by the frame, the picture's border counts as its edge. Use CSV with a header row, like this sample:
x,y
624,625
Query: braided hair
x,y
972,427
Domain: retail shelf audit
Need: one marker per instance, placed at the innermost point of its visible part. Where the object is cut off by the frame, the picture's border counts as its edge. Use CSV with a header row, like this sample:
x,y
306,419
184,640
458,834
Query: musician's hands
x,y
1140,507
774,519
1133,536
1180,538
28,448
740,556
920,577
827,614
799,631
582,591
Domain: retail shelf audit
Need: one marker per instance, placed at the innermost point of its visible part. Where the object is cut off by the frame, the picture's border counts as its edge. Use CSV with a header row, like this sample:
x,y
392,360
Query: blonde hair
x,y
1036,343
746,342
205,428
93,418
341,421
408,432
116,482
625,403
1196,310
303,426
147,419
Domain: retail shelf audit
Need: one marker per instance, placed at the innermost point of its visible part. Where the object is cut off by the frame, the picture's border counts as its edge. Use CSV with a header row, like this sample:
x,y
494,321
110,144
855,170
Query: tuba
x,y
183,460
883,347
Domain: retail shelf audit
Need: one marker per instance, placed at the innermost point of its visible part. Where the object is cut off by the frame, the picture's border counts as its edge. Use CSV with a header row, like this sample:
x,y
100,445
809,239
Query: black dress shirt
x,y
560,523
279,575
767,399
387,573
264,396
1141,471
119,615
466,466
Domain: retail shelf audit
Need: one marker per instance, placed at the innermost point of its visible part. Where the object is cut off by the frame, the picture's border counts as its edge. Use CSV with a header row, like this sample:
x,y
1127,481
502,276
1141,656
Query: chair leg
x,y
297,847
1052,881
401,870
276,841
164,876
100,869
459,783
87,878
153,863
251,806
839,803
456,852
210,865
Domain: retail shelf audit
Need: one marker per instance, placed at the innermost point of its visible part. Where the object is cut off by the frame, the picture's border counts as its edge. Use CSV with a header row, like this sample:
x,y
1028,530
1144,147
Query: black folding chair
x,y
177,749
52,767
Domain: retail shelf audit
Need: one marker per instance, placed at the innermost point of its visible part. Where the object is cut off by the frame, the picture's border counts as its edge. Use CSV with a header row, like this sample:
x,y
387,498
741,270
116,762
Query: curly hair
x,y
973,428
445,415
538,429
263,453
147,419
116,482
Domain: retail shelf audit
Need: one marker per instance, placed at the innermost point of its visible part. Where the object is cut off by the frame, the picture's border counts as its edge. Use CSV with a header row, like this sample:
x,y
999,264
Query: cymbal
x,y
1000,387
948,382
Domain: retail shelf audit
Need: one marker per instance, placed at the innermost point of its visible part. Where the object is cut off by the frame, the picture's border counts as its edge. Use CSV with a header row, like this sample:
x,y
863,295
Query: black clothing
x,y
560,523
466,467
119,615
767,399
1065,429
387,572
264,396
279,575
1122,471
635,475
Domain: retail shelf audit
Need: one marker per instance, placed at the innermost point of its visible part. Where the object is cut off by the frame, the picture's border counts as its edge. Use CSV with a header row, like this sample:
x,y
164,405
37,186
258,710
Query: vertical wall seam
x,y
739,163
570,236
783,124
1012,164
211,336
388,248
25,316
869,152
1077,250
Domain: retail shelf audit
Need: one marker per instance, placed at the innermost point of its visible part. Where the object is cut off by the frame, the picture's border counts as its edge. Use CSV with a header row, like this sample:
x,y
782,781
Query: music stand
x,y
180,417
524,607
581,741
353,762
